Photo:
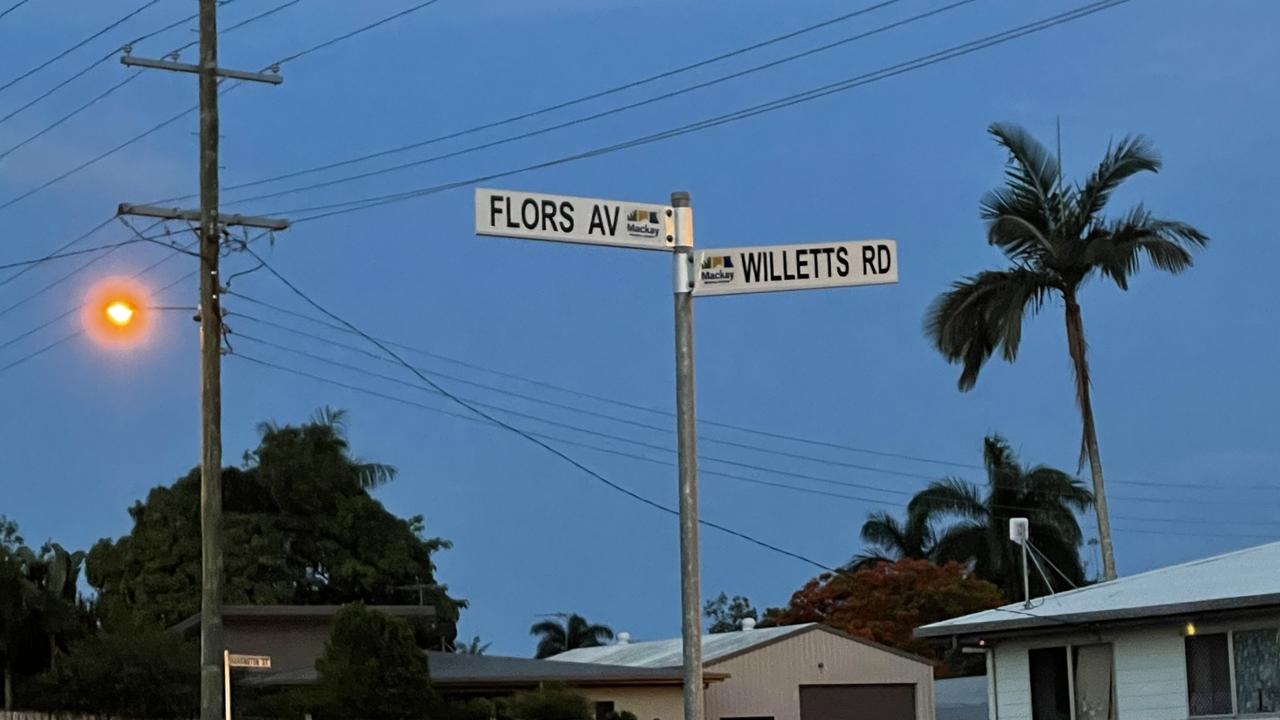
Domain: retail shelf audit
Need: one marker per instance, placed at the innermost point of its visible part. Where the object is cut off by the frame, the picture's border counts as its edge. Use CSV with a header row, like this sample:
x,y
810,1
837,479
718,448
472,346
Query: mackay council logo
x,y
643,223
716,269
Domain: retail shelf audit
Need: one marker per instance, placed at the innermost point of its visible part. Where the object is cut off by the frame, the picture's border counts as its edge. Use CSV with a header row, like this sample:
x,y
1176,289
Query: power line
x,y
503,424
632,441
470,418
615,110
10,308
13,7
236,26
87,69
77,46
192,109
75,253
562,105
579,393
341,208
74,241
357,31
101,96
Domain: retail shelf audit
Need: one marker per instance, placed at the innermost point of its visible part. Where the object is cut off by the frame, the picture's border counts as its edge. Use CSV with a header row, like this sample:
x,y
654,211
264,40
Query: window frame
x,y
1230,631
1069,648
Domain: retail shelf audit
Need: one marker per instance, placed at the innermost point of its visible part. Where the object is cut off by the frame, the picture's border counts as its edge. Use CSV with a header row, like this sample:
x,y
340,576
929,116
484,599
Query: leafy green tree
x,y
727,615
978,529
555,637
300,527
889,539
372,669
137,671
1056,238
550,702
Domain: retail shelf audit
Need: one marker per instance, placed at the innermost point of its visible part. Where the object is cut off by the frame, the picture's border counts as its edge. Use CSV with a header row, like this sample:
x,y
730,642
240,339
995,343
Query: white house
x,y
1201,639
796,672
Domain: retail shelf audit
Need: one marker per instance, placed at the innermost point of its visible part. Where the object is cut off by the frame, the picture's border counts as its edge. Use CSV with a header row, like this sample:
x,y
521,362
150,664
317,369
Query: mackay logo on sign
x,y
796,267
573,219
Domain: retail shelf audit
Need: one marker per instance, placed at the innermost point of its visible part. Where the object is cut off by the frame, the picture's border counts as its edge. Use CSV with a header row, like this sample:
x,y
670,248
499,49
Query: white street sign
x,y
561,218
261,662
733,271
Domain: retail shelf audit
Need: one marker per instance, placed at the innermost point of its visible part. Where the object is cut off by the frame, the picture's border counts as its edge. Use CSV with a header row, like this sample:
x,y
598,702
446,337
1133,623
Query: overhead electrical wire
x,y
561,105
702,471
74,241
77,46
317,212
13,7
646,102
74,253
631,440
194,108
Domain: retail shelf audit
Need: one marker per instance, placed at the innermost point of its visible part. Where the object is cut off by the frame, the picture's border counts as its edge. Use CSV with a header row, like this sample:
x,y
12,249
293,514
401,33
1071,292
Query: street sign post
x,y
735,271
230,660
561,218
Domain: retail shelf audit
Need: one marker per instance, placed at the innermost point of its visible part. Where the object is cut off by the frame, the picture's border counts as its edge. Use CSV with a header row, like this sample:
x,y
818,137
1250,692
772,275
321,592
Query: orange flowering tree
x,y
887,601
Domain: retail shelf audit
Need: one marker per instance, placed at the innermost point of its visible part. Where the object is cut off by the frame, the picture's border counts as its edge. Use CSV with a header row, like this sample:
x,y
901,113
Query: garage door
x,y
858,702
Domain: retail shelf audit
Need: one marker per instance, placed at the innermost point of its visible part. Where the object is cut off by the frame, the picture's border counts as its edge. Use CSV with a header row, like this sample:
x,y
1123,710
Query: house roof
x,y
299,611
716,647
1240,580
454,671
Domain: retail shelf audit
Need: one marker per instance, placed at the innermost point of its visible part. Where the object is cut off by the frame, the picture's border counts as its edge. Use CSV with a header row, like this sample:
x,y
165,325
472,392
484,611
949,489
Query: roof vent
x,y
624,638
748,624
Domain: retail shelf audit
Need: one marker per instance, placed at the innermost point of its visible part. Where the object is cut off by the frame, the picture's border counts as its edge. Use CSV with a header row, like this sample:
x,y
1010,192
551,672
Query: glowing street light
x,y
120,313
117,312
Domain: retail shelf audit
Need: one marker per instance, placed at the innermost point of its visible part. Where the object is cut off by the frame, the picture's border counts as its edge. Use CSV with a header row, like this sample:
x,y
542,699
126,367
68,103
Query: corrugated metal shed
x,y
667,653
1237,580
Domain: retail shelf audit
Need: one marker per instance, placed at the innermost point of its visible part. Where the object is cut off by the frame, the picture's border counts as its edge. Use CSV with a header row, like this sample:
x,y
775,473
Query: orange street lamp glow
x,y
115,312
120,313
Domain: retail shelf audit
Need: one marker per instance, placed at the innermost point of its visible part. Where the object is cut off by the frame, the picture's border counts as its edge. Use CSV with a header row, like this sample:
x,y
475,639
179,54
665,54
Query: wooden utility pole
x,y
212,647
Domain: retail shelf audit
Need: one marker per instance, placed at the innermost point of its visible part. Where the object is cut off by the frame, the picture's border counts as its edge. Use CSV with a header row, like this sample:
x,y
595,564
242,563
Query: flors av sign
x,y
562,218
731,271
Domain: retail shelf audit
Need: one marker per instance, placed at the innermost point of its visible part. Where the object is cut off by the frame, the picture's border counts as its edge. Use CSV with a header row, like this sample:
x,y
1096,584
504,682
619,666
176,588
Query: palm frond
x,y
984,312
1051,482
1115,249
1033,171
949,496
1132,155
372,475
883,531
965,543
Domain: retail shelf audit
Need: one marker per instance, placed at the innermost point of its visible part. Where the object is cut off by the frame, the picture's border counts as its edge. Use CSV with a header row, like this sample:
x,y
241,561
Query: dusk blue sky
x,y
1183,367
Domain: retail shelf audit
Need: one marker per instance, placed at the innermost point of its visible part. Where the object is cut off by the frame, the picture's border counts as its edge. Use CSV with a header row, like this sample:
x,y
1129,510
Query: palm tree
x,y
575,632
978,533
1056,238
889,539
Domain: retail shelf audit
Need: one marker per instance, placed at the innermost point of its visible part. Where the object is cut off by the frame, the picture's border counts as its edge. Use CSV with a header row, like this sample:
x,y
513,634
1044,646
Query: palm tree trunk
x,y
1076,346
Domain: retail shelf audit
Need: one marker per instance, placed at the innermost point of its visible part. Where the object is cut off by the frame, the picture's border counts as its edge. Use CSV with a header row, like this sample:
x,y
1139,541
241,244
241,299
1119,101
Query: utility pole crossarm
x,y
273,78
163,213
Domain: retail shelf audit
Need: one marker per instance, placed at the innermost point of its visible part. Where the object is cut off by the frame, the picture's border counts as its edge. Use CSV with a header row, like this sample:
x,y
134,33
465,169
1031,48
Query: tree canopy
x,y
727,615
372,669
885,602
574,632
300,527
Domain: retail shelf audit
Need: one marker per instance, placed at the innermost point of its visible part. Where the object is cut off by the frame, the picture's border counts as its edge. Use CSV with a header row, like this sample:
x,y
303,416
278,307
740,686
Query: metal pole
x,y
686,433
226,681
1026,578
211,645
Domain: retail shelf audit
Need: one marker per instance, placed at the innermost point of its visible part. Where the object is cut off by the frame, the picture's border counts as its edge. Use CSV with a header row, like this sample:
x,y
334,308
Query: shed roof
x,y
302,611
452,670
1244,579
715,647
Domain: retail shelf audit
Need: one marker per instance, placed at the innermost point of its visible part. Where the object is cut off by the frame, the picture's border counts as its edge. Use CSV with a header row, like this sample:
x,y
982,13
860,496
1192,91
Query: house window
x,y
1257,663
1234,673
1072,683
1050,693
604,710
1208,675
